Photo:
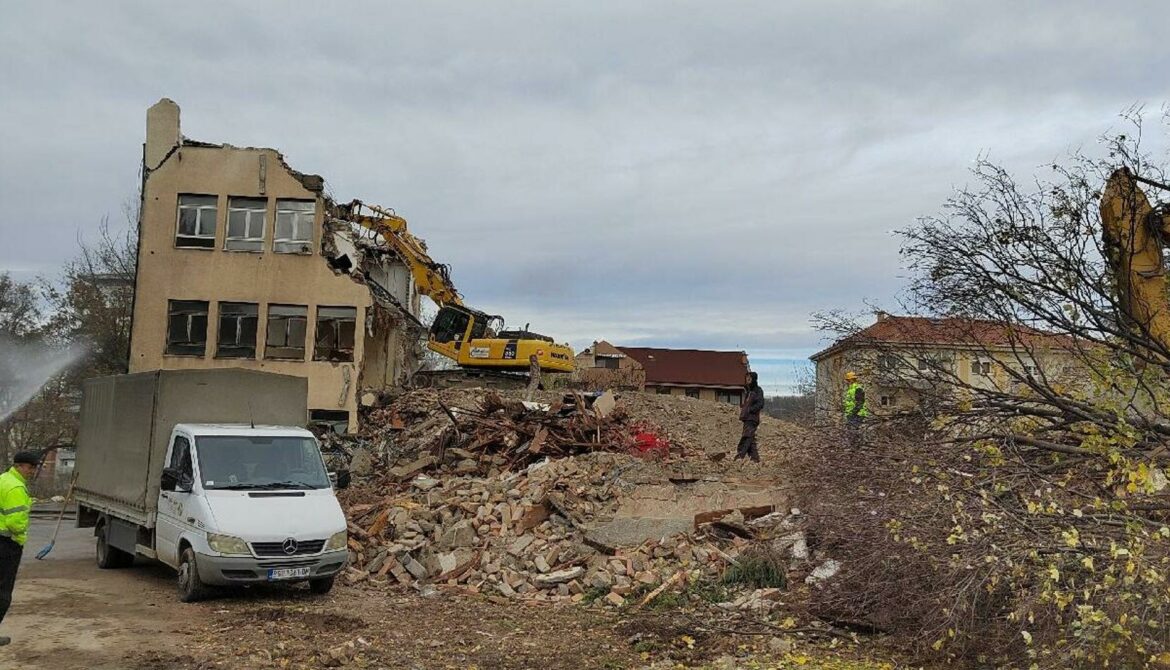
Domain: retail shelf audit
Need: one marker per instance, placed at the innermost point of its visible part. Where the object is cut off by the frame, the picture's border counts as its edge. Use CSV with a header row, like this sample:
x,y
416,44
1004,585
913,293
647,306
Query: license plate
x,y
287,573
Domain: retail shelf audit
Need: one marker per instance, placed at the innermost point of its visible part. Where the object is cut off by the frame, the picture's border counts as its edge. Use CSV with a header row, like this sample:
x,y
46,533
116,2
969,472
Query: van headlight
x,y
228,545
337,541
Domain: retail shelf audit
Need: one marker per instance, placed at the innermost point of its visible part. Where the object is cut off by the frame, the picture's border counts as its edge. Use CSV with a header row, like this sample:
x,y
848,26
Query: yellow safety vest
x,y
851,401
14,506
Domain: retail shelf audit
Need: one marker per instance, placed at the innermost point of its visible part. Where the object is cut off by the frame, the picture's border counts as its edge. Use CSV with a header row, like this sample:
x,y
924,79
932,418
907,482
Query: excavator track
x,y
465,378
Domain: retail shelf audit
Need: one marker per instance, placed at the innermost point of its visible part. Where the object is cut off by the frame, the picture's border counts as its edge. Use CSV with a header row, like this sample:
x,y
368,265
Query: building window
x,y
607,363
237,330
245,227
731,397
286,332
887,400
662,390
294,226
330,420
981,367
335,333
196,222
889,362
187,327
934,363
692,393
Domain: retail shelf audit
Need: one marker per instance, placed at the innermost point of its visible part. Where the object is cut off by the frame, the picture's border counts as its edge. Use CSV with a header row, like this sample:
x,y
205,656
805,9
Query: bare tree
x,y
1030,525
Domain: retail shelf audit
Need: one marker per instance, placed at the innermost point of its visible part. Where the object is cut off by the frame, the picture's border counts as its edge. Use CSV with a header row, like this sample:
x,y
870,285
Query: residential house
x,y
240,265
901,358
696,373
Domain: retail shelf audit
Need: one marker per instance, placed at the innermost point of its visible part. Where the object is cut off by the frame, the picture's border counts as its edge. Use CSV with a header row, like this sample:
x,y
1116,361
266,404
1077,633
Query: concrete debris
x,y
823,571
472,490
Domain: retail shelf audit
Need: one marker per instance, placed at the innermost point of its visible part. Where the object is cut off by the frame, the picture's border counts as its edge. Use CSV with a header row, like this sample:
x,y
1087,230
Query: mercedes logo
x,y
289,546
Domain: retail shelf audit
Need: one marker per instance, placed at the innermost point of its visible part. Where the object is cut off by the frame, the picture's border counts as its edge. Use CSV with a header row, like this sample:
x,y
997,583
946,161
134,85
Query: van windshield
x,y
255,462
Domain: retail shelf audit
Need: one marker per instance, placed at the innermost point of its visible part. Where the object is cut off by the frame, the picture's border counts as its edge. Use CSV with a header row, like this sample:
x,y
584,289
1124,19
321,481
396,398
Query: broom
x,y
64,506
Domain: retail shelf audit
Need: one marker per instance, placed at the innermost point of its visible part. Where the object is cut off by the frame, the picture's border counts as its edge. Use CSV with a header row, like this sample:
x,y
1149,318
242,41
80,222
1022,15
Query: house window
x,y
888,362
335,333
245,227
981,367
936,363
196,222
294,226
607,363
692,393
732,397
1030,370
286,332
237,330
187,327
662,390
887,400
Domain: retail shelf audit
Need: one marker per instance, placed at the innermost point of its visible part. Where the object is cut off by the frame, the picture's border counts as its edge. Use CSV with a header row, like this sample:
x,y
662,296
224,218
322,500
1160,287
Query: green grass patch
x,y
758,567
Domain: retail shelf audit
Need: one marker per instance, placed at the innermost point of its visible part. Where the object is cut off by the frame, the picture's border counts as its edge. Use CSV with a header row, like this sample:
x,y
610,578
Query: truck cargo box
x,y
126,421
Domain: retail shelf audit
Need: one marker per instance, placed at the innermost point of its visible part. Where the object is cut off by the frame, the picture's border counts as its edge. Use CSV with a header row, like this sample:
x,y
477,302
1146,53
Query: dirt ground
x,y
67,614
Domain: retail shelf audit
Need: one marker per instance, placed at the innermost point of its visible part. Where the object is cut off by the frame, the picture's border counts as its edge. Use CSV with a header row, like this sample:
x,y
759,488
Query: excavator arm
x,y
1134,234
433,279
471,338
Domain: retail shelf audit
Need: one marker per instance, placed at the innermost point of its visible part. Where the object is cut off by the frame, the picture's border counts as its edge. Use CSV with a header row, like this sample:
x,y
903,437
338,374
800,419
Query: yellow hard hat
x,y
851,376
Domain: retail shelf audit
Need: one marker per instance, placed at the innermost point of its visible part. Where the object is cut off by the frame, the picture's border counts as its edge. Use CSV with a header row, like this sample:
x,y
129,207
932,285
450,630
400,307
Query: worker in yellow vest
x,y
855,409
15,505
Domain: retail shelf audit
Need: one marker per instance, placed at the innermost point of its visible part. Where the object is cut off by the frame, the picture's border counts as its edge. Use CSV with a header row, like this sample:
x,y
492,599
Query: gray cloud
x,y
675,173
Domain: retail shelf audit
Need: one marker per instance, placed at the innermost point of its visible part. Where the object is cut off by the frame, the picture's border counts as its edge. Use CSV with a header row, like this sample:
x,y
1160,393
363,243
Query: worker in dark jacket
x,y
14,514
749,414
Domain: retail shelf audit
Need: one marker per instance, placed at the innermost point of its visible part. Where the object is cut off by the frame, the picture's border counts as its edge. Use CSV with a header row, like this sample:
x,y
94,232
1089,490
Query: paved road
x,y
66,613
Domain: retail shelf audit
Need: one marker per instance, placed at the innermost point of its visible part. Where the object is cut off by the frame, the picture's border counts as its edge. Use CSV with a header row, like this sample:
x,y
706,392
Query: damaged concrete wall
x,y
171,272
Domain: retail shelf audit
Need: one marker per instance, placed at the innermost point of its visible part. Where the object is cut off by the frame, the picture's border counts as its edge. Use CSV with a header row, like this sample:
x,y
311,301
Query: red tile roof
x,y
692,367
919,330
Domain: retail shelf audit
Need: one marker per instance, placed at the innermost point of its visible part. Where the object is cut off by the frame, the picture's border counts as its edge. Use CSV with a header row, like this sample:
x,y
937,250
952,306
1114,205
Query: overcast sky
x,y
686,174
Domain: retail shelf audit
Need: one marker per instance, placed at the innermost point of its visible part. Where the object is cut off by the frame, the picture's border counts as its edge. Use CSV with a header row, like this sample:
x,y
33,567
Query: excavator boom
x,y
1134,234
468,336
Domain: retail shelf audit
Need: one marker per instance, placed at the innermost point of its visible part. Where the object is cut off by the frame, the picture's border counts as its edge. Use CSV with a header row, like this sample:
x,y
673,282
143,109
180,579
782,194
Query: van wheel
x,y
109,558
191,587
321,586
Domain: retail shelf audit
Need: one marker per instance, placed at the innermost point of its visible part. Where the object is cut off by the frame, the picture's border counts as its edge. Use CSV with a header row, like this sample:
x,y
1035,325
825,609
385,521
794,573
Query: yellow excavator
x,y
1134,233
471,338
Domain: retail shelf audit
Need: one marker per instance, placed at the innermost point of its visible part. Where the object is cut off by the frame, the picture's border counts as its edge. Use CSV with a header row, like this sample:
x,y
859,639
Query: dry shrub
x,y
986,554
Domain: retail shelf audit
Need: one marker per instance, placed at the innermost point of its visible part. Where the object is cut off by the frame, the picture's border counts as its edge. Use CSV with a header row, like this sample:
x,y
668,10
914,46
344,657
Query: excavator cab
x,y
474,340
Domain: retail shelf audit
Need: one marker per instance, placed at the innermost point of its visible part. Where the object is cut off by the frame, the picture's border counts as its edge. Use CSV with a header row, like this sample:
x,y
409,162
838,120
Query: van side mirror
x,y
170,479
174,480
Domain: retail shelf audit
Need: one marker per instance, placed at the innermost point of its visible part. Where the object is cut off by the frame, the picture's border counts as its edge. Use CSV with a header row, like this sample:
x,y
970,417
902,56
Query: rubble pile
x,y
493,495
485,432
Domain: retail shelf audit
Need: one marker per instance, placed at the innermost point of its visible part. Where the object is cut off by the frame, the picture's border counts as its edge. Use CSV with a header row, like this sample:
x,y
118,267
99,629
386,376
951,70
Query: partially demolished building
x,y
240,265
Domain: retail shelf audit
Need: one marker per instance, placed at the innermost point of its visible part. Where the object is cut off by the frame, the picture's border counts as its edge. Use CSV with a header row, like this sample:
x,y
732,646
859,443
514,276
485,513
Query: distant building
x,y
695,373
900,358
239,265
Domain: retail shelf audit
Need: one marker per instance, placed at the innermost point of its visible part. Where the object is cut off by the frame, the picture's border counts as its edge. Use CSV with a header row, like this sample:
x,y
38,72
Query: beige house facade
x,y
901,360
234,271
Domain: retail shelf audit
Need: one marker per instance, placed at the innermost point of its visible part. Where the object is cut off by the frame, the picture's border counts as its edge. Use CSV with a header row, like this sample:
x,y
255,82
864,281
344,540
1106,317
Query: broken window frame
x,y
333,420
252,208
336,327
303,214
193,340
692,393
206,211
282,322
236,319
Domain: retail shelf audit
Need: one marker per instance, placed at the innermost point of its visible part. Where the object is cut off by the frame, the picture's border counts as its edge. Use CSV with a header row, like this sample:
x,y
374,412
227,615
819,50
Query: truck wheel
x,y
191,588
321,586
109,558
